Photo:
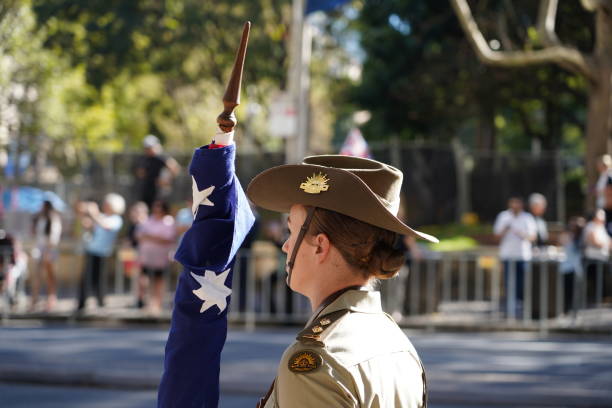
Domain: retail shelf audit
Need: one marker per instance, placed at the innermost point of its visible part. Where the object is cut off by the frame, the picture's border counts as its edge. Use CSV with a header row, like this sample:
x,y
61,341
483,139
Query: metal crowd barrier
x,y
457,288
461,288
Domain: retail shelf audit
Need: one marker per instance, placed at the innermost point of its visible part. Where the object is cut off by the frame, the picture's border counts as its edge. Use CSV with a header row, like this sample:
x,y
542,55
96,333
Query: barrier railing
x,y
465,288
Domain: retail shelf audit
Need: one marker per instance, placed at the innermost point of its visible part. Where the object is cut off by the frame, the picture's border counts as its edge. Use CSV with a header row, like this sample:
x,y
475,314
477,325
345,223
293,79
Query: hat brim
x,y
278,188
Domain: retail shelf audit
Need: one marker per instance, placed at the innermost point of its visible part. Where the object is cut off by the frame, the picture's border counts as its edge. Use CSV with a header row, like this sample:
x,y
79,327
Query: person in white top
x,y
596,238
537,208
597,255
604,167
47,231
516,230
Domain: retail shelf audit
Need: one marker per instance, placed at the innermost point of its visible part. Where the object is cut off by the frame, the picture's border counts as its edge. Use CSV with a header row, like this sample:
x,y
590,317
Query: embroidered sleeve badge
x,y
315,184
305,361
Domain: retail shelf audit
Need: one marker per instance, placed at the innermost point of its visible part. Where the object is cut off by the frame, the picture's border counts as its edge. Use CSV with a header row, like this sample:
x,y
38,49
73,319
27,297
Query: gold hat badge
x,y
315,184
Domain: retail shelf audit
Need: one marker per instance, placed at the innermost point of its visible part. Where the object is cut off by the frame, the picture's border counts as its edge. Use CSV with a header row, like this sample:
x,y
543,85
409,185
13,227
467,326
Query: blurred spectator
x,y
516,230
276,232
154,170
537,208
47,231
138,213
596,238
571,267
184,218
604,167
596,250
608,206
156,238
13,266
99,243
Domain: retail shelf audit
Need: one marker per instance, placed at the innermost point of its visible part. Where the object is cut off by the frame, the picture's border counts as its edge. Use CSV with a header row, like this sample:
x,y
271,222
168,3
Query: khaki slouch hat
x,y
364,189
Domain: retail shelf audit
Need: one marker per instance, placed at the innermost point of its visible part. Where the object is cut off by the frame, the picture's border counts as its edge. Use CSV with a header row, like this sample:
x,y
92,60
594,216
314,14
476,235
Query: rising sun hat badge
x,y
315,184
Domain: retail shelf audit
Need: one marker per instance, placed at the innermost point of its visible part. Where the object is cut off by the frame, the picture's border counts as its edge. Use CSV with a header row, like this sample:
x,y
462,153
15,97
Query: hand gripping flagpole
x,y
231,99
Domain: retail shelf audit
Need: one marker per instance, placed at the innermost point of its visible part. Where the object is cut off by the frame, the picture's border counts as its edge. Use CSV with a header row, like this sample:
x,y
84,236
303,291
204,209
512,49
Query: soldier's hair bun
x,y
368,248
386,260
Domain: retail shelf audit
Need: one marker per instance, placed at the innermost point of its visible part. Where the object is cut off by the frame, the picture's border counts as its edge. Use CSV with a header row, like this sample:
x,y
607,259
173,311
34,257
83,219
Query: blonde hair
x,y
116,203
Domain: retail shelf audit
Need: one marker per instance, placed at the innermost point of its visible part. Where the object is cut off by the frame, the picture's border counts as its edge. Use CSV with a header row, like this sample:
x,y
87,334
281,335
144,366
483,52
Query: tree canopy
x,y
421,81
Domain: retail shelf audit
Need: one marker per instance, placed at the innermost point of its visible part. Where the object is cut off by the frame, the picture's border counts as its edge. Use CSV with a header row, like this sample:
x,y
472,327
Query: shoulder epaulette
x,y
316,331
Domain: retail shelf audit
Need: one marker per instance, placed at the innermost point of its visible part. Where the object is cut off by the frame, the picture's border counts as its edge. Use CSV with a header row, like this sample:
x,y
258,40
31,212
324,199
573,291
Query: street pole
x,y
299,82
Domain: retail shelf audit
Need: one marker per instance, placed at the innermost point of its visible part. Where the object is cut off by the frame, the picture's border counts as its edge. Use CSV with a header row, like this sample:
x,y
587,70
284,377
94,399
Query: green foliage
x,y
454,244
138,67
186,40
422,80
456,237
447,231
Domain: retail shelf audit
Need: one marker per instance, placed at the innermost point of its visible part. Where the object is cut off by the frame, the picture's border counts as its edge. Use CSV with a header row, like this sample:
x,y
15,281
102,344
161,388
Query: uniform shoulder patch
x,y
305,361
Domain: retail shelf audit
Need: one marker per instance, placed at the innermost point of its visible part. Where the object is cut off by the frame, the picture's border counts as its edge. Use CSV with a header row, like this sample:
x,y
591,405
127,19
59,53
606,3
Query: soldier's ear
x,y
322,245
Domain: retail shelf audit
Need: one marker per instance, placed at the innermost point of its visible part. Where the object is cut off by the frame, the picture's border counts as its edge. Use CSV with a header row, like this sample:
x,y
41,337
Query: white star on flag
x,y
212,290
200,197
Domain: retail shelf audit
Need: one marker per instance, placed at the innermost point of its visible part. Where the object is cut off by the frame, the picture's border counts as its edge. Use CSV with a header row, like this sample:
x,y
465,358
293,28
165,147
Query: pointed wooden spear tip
x,y
231,99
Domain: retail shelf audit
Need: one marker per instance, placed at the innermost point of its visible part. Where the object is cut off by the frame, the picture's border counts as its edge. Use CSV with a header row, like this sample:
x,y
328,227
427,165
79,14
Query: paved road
x,y
511,369
28,396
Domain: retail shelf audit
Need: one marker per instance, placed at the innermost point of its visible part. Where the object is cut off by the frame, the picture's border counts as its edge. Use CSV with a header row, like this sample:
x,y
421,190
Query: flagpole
x,y
227,119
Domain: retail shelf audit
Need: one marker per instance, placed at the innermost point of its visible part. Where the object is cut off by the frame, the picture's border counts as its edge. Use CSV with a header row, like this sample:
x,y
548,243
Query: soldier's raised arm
x,y
222,219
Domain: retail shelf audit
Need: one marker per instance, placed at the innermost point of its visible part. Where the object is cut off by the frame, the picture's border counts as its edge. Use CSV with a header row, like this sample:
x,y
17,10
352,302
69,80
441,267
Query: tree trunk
x,y
486,132
599,119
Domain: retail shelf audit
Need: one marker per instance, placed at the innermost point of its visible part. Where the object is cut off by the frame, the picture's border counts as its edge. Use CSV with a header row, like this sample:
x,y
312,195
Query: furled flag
x,y
323,5
222,219
355,145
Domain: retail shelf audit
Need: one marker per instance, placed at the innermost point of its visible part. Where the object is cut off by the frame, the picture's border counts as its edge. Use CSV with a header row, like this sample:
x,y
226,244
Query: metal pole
x,y
414,289
463,292
583,283
401,291
511,291
527,291
299,81
479,295
431,286
5,293
495,279
251,317
266,296
560,298
118,275
544,298
599,284
235,306
446,278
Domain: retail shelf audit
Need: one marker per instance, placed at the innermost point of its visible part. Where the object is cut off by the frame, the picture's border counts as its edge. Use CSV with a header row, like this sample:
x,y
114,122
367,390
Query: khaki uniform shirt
x,y
351,355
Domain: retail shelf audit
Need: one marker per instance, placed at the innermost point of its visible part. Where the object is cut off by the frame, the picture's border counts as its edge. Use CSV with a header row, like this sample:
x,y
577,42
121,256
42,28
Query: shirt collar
x,y
362,301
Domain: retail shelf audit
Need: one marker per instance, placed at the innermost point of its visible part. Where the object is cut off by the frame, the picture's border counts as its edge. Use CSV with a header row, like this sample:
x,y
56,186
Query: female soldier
x,y
343,226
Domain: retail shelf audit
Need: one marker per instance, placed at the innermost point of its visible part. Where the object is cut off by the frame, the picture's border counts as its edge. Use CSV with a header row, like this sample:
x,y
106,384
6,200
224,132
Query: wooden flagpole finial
x,y
231,99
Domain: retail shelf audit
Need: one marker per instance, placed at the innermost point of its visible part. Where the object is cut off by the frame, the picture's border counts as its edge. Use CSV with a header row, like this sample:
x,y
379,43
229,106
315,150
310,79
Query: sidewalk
x,y
455,316
485,369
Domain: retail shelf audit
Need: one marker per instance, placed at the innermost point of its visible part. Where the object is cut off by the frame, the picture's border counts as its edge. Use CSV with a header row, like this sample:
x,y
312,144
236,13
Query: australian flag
x,y
199,321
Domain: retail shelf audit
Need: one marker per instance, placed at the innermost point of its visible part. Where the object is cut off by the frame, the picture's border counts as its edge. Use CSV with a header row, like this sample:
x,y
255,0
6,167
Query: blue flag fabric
x,y
199,320
323,5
